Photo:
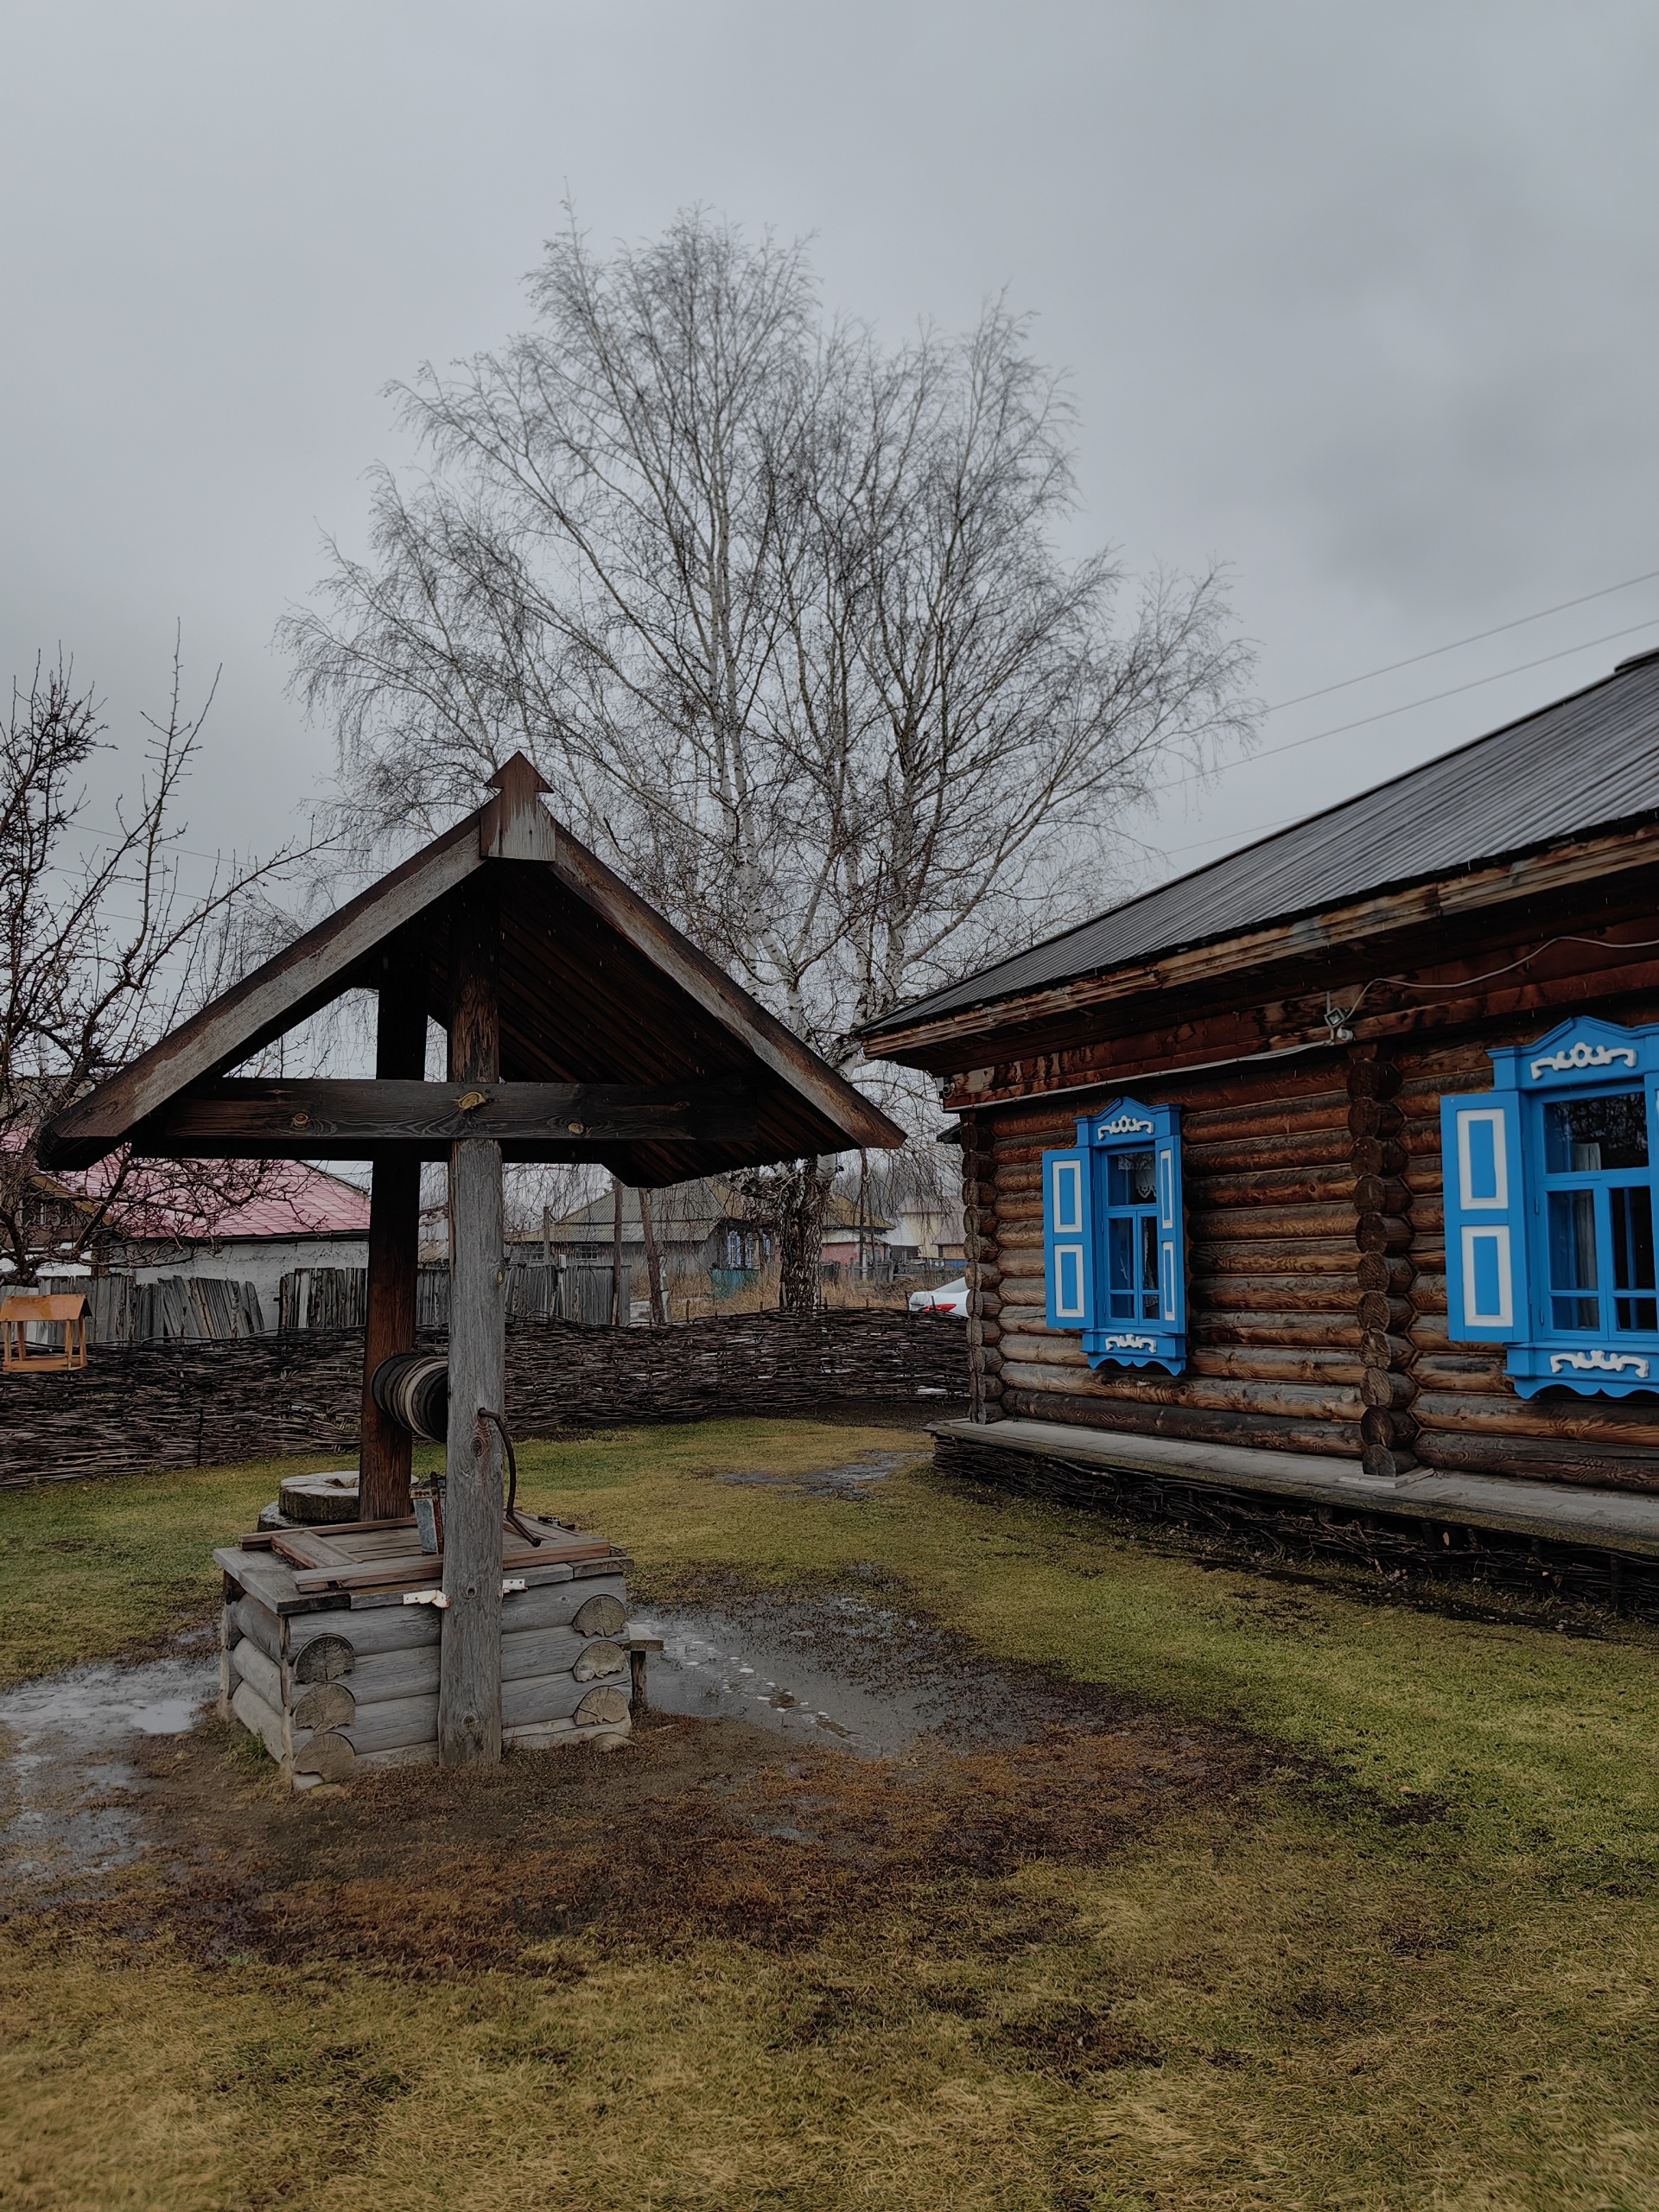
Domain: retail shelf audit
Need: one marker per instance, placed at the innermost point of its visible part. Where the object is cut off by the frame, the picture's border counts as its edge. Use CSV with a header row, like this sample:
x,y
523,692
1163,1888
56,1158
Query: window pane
x,y
1632,1212
1130,1181
1573,1258
1586,1136
1148,1267
1120,1267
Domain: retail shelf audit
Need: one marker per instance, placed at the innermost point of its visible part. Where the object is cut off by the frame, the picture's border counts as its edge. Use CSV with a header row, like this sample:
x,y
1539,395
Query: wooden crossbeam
x,y
246,1117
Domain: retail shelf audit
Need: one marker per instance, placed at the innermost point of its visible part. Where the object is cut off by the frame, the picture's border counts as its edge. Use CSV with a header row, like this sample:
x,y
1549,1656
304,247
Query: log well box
x,y
339,1683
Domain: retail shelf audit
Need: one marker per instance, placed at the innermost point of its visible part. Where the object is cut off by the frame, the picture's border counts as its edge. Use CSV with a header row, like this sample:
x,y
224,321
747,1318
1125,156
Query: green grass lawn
x,y
1415,1966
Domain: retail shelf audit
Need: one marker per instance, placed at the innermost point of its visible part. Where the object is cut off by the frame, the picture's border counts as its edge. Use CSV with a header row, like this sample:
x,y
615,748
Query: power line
x,y
1457,644
1202,775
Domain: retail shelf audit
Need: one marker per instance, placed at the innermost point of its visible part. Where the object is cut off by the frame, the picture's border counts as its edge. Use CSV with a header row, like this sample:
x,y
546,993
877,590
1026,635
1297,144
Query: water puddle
x,y
69,1798
851,1481
841,1672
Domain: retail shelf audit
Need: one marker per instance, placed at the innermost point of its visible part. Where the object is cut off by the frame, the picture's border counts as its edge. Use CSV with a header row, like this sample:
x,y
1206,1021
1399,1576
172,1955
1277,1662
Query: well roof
x,y
595,986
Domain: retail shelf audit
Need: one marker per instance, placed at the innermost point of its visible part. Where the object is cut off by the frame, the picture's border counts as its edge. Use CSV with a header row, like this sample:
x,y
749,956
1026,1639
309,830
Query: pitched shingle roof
x,y
1580,764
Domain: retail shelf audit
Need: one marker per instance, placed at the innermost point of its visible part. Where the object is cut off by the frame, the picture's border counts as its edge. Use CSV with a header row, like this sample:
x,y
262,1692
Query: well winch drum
x,y
412,1389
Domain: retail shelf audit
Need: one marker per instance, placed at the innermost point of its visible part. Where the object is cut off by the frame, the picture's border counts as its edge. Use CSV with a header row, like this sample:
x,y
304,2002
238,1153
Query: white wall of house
x,y
262,1260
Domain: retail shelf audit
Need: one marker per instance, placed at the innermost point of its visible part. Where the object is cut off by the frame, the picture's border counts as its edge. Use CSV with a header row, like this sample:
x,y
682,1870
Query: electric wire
x,y
1475,637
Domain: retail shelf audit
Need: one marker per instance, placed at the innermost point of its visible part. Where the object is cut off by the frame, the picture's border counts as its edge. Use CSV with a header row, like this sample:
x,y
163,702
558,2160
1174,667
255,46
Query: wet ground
x,y
71,1790
842,1671
835,1669
813,1762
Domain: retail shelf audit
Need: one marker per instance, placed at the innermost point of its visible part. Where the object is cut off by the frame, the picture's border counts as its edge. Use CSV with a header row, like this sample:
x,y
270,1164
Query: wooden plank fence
x,y
174,1306
198,1403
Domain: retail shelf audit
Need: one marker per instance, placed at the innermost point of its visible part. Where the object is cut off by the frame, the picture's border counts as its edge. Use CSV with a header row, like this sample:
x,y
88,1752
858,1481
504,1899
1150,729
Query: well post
x,y
385,1455
469,1688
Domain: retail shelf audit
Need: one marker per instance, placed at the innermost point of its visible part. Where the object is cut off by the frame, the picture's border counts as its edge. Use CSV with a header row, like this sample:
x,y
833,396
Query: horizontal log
x,y
1383,1232
1372,1156
1245,1155
259,1717
262,1673
1053,1349
1378,1348
1297,1400
1542,1459
1374,1120
246,1117
1376,1078
1382,1386
1271,1109
1251,1290
1463,1370
414,1674
1258,1431
1377,1310
1274,1187
386,1724
1256,1224
322,1706
1385,1271
1332,1367
1327,1259
1561,1417
1233,1326
1381,1194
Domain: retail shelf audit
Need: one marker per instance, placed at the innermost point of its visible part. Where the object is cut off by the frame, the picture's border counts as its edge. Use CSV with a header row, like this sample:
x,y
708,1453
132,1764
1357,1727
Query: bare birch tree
x,y
104,950
779,614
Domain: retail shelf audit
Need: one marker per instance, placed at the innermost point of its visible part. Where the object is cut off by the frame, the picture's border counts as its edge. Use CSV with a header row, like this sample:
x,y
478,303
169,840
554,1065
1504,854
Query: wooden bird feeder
x,y
65,1347
582,1027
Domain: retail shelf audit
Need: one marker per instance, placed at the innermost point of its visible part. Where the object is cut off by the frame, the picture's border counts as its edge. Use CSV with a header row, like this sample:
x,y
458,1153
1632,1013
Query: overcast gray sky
x,y
1361,300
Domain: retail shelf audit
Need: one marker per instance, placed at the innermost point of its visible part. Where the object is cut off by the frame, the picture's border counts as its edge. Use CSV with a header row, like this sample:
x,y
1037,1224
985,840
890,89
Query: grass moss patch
x,y
1300,1900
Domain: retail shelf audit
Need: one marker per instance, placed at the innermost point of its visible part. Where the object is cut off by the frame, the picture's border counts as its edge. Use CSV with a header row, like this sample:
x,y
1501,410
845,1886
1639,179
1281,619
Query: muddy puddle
x,y
842,1672
70,1794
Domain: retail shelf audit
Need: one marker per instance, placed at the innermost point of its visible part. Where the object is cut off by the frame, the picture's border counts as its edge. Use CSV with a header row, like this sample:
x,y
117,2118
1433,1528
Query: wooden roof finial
x,y
515,825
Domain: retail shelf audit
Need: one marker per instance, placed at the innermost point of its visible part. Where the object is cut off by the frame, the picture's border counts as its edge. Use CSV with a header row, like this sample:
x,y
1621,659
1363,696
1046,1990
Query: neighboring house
x,y
301,1217
704,1237
929,1230
1329,1169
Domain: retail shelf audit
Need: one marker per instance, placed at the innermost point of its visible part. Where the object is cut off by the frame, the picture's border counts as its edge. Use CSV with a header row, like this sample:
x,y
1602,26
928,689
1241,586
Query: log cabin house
x,y
1326,1171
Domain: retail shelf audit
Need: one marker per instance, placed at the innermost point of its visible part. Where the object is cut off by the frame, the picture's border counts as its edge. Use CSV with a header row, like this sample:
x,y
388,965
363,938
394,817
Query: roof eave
x,y
1628,844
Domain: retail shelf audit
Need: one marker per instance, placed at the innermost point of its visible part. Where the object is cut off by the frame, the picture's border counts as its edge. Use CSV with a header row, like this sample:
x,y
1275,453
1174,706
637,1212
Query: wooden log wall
x,y
1316,1279
1272,1290
335,1695
201,1404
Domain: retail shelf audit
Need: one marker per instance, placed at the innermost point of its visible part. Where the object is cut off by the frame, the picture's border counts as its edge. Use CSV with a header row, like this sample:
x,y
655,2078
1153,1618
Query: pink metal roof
x,y
292,1200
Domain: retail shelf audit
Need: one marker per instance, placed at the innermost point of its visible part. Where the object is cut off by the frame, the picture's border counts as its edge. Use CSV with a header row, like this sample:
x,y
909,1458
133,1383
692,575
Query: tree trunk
x,y
469,1688
803,1197
653,1264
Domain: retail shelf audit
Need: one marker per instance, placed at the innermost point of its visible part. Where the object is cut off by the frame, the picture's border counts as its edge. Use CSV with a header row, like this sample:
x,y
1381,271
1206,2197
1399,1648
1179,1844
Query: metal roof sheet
x,y
1578,765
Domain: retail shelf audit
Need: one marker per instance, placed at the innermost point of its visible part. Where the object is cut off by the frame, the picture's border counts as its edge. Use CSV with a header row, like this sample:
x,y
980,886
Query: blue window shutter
x,y
1484,1171
1069,1238
1172,1229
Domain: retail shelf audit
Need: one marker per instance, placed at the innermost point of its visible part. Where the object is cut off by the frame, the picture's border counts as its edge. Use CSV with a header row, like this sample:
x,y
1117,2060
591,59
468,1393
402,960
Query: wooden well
x,y
581,1027
331,1645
